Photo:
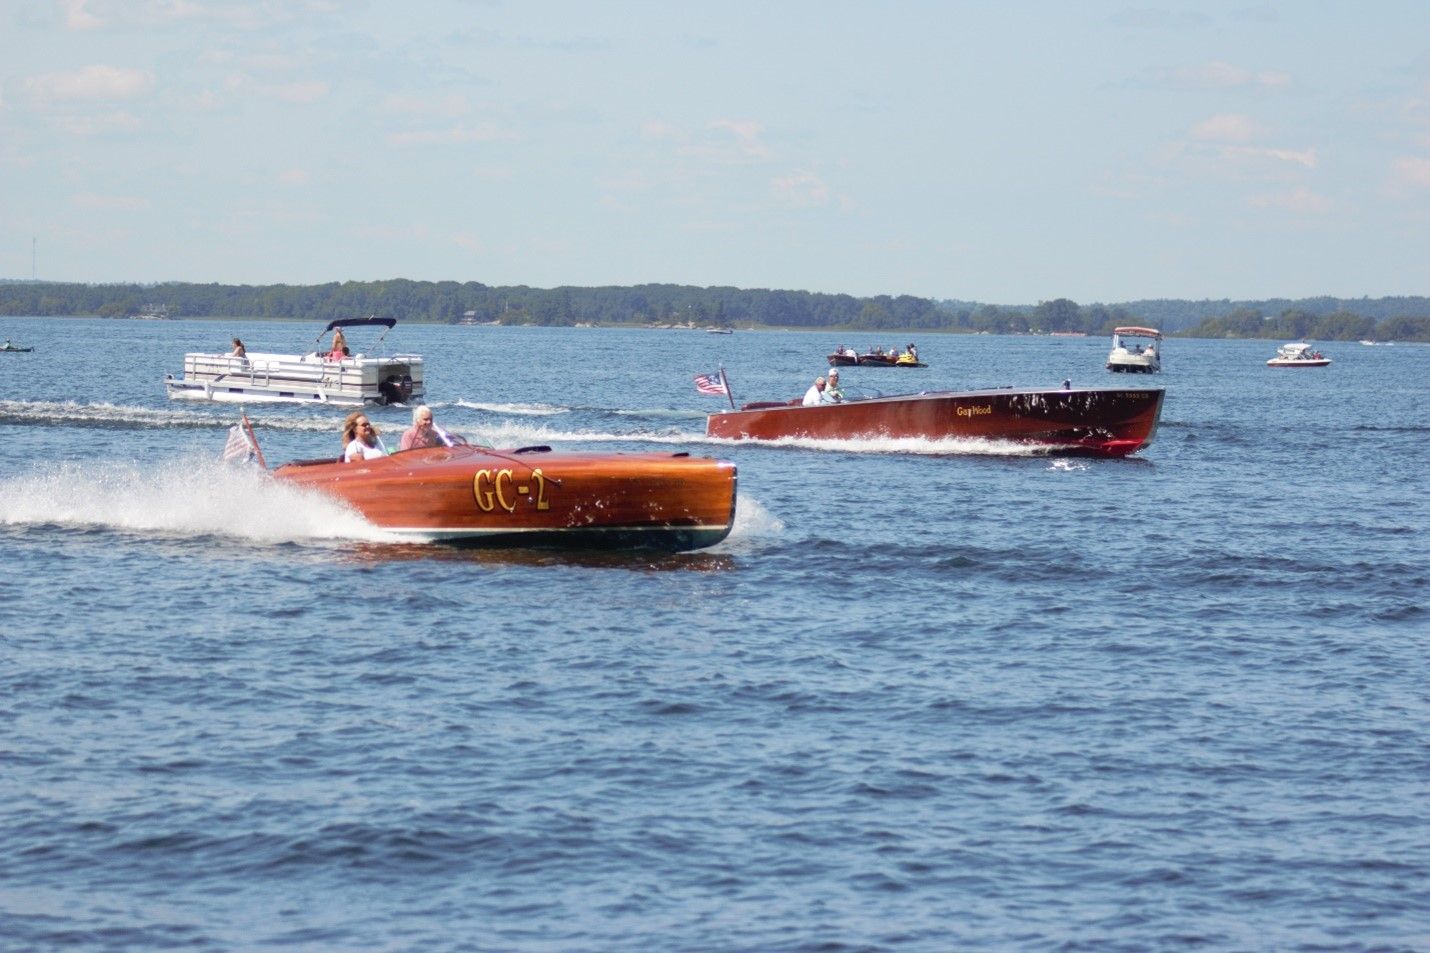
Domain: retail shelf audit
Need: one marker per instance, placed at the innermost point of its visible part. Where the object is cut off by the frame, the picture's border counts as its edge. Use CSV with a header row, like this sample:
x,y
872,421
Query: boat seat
x,y
314,462
767,404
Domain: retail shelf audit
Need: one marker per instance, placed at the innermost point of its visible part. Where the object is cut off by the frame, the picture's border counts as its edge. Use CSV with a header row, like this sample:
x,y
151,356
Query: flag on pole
x,y
242,445
238,450
711,384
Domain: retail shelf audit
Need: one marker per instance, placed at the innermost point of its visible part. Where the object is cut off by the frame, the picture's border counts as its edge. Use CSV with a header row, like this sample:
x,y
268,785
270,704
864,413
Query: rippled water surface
x,y
926,697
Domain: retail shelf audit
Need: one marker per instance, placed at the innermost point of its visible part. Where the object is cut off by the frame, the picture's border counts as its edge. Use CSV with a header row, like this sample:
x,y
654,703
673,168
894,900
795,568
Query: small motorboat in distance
x,y
351,380
845,357
1135,350
1103,422
14,348
477,496
1298,354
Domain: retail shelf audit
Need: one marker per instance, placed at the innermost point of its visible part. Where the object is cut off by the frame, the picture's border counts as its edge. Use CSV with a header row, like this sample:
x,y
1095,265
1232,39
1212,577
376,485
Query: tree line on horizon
x,y
450,302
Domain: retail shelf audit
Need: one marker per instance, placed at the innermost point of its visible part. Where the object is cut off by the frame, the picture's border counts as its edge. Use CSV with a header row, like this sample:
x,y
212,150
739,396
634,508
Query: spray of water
x,y
185,497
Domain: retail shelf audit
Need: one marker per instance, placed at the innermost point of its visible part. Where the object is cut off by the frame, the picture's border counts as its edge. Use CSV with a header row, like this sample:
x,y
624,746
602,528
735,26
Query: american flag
x,y
711,384
237,449
242,445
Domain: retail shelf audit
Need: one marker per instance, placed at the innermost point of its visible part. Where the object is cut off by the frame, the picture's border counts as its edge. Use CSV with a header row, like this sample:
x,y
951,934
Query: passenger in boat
x,y
238,349
423,432
815,395
832,393
360,439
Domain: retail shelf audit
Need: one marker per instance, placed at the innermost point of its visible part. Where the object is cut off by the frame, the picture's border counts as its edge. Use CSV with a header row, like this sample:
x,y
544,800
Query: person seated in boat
x,y
832,393
423,432
360,439
815,395
238,349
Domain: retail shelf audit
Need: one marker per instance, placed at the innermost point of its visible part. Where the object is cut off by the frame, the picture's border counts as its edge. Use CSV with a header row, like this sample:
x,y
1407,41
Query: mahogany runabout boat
x,y
1105,422
533,497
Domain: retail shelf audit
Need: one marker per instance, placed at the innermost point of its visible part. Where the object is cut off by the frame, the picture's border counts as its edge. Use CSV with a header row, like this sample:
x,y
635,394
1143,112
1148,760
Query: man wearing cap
x,y
832,393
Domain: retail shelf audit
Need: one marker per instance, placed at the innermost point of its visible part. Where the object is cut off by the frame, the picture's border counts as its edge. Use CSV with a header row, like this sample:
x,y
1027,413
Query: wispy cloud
x,y
459,133
1301,157
1409,172
91,201
1221,75
294,177
77,17
300,93
1227,127
95,83
1231,135
1300,201
1148,18
722,141
800,189
121,123
448,107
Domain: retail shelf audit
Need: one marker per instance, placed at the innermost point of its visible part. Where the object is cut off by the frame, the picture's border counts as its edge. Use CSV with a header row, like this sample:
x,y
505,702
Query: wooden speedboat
x,y
1104,422
1135,351
1298,355
532,497
354,380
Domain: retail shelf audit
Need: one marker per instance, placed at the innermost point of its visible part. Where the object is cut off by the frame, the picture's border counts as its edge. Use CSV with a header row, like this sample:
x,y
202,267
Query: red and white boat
x,y
1298,354
469,495
1105,422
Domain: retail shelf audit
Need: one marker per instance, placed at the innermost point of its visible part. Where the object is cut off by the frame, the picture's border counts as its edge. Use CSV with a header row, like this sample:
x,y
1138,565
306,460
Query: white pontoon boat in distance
x,y
1132,356
1298,354
353,381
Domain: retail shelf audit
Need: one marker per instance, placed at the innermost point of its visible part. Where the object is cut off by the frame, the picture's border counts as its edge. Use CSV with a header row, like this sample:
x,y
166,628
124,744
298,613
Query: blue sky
x,y
1002,152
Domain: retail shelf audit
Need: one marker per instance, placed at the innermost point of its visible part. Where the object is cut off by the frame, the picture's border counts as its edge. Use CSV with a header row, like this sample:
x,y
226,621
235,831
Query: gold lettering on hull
x,y
497,490
974,411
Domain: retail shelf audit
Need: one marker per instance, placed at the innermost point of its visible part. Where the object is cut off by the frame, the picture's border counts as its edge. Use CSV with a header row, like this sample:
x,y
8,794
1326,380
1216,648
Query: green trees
x,y
1402,319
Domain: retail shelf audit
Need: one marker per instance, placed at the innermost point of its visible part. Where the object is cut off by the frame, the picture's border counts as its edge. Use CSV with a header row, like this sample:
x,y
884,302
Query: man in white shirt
x,y
815,395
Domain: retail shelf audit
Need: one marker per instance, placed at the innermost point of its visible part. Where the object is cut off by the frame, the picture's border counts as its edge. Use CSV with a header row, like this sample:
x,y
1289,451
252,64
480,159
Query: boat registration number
x,y
499,490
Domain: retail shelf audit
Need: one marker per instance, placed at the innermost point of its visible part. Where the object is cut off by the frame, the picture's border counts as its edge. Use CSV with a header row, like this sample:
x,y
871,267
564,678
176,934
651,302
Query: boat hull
x,y
1323,362
1133,364
480,497
1108,422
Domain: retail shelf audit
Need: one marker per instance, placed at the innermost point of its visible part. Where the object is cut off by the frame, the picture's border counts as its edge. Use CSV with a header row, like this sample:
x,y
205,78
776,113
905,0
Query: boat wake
x,y
919,446
181,497
753,524
122,416
515,434
515,410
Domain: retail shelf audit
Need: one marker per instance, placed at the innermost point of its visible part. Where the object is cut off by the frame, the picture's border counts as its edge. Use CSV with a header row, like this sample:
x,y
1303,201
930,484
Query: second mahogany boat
x,y
1105,422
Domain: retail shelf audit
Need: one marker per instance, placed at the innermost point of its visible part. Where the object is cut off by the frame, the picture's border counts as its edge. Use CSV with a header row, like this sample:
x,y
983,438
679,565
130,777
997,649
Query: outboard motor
x,y
405,388
390,389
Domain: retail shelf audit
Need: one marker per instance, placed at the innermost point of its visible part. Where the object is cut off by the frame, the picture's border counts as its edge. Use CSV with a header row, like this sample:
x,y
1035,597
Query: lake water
x,y
925,697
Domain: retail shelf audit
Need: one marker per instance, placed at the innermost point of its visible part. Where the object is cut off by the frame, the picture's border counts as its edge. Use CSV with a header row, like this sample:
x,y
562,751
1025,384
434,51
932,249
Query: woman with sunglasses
x,y
360,439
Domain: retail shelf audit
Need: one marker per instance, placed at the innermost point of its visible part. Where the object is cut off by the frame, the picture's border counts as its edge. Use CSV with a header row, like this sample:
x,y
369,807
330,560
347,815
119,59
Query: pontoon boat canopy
x,y
1145,332
355,322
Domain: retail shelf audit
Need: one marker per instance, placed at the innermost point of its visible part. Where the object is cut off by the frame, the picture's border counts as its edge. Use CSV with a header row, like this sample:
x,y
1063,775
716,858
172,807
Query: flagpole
x,y
252,438
726,381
